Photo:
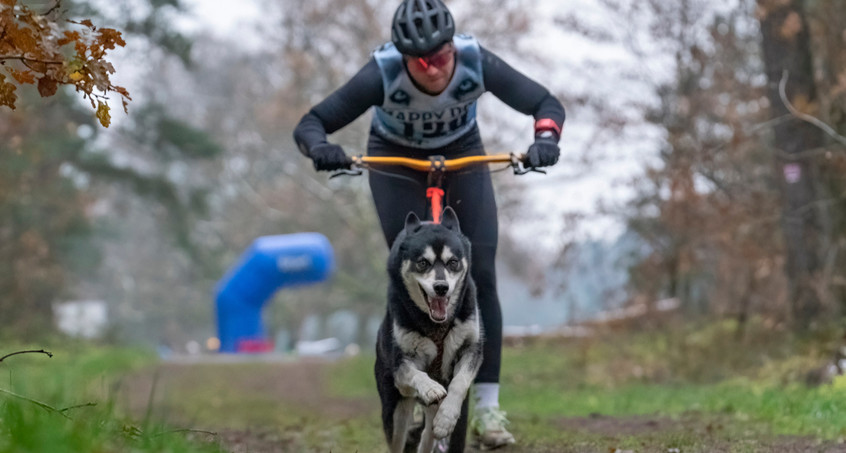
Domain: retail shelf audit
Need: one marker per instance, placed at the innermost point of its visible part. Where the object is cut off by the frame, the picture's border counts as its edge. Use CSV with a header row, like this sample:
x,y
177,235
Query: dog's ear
x,y
450,220
411,221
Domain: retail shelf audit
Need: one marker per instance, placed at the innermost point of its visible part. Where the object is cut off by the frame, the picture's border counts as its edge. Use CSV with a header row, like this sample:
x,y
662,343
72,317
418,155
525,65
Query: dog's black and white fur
x,y
429,346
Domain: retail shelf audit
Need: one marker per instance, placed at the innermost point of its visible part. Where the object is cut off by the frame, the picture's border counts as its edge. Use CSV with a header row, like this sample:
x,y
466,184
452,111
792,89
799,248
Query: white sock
x,y
486,395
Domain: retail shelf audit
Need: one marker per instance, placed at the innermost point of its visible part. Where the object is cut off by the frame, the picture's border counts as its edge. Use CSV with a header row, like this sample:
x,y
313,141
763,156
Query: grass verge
x,y
697,388
66,403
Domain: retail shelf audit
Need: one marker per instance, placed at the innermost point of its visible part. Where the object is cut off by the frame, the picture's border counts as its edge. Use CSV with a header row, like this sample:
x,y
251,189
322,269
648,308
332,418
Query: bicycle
x,y
437,166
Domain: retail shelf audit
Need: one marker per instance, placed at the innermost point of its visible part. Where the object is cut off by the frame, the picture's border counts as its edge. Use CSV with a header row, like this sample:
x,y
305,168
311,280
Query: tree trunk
x,y
787,53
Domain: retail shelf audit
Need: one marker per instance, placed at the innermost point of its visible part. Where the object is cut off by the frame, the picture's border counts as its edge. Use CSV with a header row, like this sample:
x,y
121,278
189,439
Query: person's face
x,y
433,72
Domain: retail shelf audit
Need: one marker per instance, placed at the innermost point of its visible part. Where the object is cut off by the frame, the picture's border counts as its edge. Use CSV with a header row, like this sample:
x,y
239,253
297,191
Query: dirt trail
x,y
303,385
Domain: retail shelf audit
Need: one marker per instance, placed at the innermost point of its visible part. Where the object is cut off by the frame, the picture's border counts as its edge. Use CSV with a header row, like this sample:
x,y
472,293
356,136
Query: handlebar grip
x,y
351,168
526,168
521,157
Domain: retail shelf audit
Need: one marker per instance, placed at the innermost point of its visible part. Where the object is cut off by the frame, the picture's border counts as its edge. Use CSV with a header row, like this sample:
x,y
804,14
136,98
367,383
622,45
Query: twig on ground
x,y
45,406
186,430
32,351
77,406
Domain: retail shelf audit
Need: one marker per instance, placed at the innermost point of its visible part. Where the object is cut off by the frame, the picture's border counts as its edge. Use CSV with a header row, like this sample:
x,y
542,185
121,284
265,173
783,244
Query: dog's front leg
x,y
414,383
403,414
450,410
427,439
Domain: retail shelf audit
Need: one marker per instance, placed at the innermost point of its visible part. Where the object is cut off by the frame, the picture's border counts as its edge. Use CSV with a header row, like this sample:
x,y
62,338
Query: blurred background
x,y
701,172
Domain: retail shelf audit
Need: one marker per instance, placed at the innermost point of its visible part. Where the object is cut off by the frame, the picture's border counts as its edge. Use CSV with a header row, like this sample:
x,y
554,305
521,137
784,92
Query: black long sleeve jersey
x,y
366,89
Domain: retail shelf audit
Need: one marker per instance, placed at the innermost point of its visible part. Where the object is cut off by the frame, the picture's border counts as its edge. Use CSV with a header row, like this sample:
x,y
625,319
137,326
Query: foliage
x,y
42,212
706,209
77,410
56,182
722,225
827,23
51,218
38,49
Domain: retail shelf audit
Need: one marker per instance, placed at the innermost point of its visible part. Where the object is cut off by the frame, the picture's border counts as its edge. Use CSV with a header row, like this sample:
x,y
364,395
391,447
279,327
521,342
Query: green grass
x,y
66,404
695,388
263,397
790,410
741,386
628,378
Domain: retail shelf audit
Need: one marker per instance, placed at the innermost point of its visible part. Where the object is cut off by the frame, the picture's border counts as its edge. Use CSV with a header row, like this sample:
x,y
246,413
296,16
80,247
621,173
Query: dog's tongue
x,y
437,308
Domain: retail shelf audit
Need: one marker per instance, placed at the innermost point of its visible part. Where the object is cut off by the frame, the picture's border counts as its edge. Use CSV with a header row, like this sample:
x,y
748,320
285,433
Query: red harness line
x,y
436,196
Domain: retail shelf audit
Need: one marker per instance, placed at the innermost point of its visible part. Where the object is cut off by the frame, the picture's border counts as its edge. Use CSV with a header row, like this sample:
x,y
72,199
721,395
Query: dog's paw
x,y
445,419
431,392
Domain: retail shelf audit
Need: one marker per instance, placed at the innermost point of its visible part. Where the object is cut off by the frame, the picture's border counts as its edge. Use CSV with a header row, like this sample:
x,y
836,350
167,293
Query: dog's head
x,y
433,261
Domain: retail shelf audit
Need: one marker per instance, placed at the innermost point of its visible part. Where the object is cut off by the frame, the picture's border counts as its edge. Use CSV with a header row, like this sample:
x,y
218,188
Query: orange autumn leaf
x,y
37,51
47,86
103,114
7,93
69,37
22,77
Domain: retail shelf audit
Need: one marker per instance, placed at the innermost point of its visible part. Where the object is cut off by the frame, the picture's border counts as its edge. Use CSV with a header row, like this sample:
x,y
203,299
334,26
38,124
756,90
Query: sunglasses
x,y
439,58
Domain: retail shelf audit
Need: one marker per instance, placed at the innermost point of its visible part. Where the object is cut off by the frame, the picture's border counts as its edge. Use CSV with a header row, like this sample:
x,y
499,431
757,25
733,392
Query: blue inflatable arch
x,y
268,264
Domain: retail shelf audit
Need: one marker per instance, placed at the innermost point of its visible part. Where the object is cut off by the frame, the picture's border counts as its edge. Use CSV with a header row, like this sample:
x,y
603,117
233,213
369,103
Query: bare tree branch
x,y
804,116
56,6
29,60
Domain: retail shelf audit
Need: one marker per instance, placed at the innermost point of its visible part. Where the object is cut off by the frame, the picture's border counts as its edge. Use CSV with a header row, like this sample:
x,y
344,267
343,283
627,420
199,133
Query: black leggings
x,y
470,194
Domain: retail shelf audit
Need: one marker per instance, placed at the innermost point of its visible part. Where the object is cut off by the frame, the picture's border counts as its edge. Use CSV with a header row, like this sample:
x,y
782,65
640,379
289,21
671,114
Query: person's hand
x,y
543,153
329,157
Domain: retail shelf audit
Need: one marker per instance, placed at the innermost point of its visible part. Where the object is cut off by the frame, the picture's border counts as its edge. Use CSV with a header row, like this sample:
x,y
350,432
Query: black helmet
x,y
420,26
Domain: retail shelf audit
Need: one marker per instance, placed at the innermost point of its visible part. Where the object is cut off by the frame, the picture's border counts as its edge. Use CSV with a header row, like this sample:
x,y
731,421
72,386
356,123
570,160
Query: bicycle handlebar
x,y
436,162
439,163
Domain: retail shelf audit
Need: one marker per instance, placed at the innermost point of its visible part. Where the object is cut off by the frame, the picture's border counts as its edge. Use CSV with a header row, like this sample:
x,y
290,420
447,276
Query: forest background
x,y
702,163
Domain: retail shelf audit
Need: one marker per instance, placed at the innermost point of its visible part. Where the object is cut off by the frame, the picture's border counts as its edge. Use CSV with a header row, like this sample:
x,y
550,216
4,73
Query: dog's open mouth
x,y
437,307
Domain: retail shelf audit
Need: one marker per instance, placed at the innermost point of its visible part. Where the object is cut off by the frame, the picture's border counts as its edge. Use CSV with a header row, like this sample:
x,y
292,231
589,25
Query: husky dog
x,y
429,346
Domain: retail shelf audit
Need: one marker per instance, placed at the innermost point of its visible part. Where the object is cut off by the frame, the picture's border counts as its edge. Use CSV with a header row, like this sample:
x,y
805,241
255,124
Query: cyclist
x,y
424,85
